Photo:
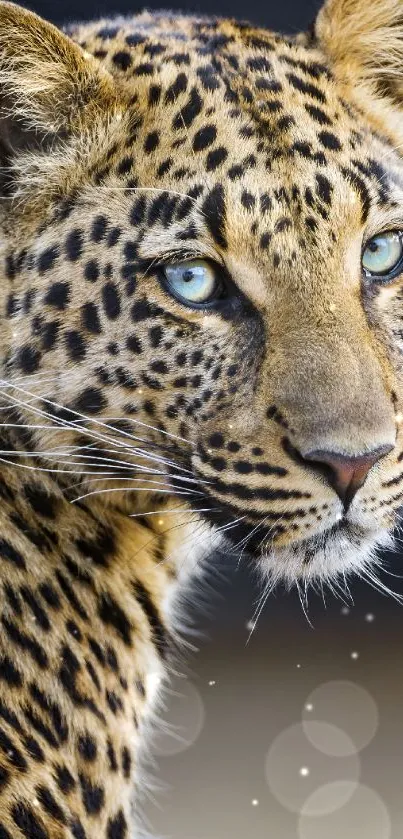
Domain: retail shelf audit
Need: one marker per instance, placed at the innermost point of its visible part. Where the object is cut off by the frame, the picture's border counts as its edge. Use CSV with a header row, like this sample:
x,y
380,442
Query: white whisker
x,y
136,489
162,512
263,600
70,425
83,417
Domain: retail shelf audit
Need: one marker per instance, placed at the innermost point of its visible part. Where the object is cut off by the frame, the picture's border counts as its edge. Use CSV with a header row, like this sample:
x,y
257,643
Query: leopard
x,y
201,257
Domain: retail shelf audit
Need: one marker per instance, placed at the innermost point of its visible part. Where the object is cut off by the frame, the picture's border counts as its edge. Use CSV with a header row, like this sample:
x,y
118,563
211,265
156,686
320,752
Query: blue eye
x,y
195,282
383,255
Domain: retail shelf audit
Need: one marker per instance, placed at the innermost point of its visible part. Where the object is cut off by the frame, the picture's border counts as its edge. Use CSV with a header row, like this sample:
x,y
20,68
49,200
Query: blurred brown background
x,y
296,733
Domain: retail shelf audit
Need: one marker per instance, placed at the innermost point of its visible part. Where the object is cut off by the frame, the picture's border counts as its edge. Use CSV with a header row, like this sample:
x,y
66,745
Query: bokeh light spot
x,y
291,750
345,705
363,816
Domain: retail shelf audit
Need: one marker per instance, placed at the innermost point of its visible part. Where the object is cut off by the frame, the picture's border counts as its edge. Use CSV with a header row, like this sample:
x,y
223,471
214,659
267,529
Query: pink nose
x,y
346,474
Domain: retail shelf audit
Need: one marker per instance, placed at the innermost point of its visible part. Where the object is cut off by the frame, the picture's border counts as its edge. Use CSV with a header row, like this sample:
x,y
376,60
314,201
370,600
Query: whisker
x,y
83,417
136,489
144,471
263,600
93,460
161,513
49,471
144,425
304,603
230,525
377,584
70,425
184,481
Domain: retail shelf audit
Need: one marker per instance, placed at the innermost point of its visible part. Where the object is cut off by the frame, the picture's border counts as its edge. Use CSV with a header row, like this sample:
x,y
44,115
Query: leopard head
x,y
202,263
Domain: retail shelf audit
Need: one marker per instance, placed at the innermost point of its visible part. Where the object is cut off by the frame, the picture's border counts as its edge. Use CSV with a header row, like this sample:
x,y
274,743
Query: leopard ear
x,y
364,40
49,86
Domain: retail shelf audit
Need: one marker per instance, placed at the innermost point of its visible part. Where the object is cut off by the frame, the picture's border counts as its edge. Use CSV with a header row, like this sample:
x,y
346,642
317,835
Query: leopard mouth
x,y
341,550
342,527
346,545
322,554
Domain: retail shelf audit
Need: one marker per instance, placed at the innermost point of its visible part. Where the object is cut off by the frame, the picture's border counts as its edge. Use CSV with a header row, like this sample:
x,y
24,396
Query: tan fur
x,y
363,38
365,44
52,85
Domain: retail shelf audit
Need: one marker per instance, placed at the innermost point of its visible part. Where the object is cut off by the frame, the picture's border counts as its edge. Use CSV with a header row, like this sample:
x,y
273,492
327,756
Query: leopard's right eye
x,y
196,282
383,256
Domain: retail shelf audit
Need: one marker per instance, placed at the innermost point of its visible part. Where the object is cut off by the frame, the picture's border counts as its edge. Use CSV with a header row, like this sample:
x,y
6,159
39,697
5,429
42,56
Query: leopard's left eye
x,y
196,282
383,255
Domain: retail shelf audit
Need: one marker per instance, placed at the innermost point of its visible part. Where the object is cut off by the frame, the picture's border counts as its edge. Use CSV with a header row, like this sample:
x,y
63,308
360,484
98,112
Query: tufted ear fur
x,y
50,89
364,40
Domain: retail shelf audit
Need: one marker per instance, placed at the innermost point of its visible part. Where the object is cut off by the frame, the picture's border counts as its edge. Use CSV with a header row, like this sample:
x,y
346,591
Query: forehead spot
x,y
248,200
135,39
306,87
47,259
151,143
204,137
58,295
154,95
122,60
282,224
91,271
190,111
111,301
329,140
259,64
99,228
317,114
265,240
324,188
74,245
125,165
215,158
144,69
176,88
214,211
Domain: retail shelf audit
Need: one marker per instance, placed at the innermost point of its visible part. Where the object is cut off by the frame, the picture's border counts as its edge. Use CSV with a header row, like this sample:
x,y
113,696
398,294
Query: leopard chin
x,y
329,557
348,544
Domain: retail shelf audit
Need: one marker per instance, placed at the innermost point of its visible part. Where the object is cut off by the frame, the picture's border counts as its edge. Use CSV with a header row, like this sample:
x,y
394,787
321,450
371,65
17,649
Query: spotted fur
x,y
139,433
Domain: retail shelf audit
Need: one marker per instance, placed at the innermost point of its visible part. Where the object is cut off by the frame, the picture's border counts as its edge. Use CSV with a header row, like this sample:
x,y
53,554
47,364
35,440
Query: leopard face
x,y
186,239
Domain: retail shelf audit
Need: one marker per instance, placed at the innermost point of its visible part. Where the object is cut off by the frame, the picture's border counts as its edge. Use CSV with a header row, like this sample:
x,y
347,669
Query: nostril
x,y
346,473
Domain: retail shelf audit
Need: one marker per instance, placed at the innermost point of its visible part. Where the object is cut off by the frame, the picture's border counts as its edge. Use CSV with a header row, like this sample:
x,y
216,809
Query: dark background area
x,y
286,15
244,707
